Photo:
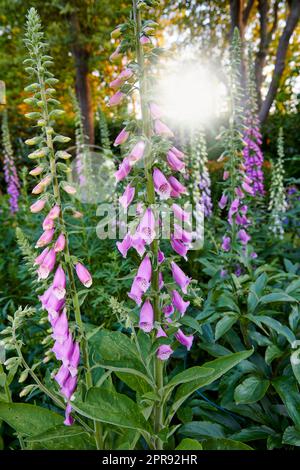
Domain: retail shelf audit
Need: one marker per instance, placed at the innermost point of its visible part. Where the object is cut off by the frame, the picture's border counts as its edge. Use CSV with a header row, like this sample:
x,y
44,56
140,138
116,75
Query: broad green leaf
x,y
190,374
29,419
295,362
224,444
276,297
287,389
272,352
251,390
253,433
202,429
63,437
275,325
189,444
256,290
291,436
228,302
294,286
224,325
113,408
219,367
191,322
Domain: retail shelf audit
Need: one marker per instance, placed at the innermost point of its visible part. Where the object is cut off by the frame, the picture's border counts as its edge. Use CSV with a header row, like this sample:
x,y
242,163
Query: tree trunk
x,y
82,84
236,14
283,45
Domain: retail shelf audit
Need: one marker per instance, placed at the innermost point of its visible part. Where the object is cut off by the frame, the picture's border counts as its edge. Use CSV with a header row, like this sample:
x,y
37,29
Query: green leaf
x,y
291,436
191,322
219,367
63,437
276,297
272,352
256,290
295,362
190,374
189,444
202,430
253,433
251,390
287,389
29,419
224,444
275,325
224,325
112,408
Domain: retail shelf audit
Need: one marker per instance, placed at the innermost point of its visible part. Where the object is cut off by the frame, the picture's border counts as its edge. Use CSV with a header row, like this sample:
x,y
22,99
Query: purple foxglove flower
x,y
160,281
125,245
162,129
47,264
146,228
223,273
161,184
253,255
123,171
38,206
239,193
83,275
181,214
243,236
177,153
223,201
36,171
146,317
155,111
179,247
225,175
126,74
45,238
63,351
61,328
54,212
179,277
62,375
121,138
226,243
137,152
60,243
39,259
69,387
247,188
74,360
181,234
59,283
144,40
136,292
164,351
127,197
178,188
179,303
186,341
168,310
144,274
160,257
48,223
139,245
68,418
117,83
175,163
116,99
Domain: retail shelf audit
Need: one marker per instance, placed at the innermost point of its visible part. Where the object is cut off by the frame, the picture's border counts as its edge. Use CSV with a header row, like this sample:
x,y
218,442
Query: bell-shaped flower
x,y
146,317
185,340
127,197
121,138
179,303
83,275
179,277
161,184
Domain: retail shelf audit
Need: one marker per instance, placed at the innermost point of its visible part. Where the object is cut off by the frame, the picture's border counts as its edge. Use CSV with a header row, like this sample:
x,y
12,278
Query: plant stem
x,y
146,127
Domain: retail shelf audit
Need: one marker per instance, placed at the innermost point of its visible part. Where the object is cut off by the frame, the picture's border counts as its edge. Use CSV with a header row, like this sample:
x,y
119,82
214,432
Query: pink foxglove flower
x,y
69,189
168,310
146,317
161,184
45,238
144,274
179,303
83,275
136,292
226,243
179,247
117,83
127,197
36,171
223,201
177,153
117,99
137,152
60,243
47,264
126,74
123,171
48,223
178,188
54,212
181,234
155,111
186,341
38,206
175,163
39,259
243,236
121,138
146,228
162,129
164,351
59,283
125,245
160,257
181,214
180,277
145,40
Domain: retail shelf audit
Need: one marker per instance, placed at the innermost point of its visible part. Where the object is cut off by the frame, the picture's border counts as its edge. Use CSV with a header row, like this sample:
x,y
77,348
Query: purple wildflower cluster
x,y
167,188
10,170
253,156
